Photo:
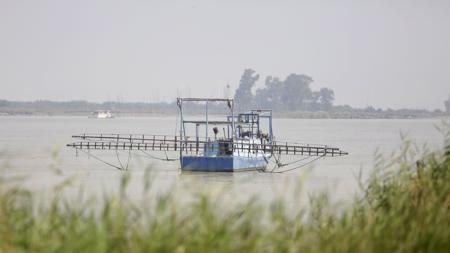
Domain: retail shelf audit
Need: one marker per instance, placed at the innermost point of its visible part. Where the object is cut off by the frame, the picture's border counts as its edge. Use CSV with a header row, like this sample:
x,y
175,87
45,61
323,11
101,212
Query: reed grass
x,y
404,207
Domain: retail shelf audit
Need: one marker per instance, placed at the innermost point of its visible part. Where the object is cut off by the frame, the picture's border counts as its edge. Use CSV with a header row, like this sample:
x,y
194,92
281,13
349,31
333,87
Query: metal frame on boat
x,y
245,143
222,154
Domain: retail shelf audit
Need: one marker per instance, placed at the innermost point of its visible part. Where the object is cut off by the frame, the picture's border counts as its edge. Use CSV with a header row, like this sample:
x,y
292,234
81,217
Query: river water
x,y
34,147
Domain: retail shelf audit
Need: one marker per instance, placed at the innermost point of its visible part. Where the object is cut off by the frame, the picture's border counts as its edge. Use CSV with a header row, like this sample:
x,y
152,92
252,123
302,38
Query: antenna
x,y
226,91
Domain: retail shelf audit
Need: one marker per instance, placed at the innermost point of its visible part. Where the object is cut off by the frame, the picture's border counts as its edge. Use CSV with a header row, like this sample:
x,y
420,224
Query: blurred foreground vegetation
x,y
404,206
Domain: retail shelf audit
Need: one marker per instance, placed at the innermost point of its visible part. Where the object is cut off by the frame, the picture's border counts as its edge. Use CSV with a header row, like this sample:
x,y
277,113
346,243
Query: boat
x,y
235,149
233,142
106,114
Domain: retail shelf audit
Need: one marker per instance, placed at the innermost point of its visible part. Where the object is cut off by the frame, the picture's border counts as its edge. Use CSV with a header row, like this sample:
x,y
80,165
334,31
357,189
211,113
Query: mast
x,y
180,106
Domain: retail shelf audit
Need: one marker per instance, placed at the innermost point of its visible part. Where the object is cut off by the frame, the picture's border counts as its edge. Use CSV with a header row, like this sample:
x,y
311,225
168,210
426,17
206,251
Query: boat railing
x,y
199,146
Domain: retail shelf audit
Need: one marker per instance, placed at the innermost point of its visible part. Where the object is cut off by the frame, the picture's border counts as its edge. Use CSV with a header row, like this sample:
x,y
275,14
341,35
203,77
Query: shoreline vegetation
x,y
84,108
404,206
295,96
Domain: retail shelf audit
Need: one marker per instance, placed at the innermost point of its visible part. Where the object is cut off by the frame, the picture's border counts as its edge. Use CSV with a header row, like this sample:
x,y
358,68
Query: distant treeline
x,y
120,108
81,107
291,97
292,94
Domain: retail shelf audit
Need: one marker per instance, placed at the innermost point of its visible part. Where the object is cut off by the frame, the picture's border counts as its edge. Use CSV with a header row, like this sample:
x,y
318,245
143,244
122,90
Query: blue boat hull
x,y
222,163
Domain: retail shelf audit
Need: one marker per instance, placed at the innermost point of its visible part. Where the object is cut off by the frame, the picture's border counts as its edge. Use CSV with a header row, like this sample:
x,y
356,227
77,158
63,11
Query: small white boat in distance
x,y
102,115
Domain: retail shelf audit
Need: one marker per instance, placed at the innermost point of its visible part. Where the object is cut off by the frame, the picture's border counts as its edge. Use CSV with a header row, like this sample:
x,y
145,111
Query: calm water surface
x,y
31,146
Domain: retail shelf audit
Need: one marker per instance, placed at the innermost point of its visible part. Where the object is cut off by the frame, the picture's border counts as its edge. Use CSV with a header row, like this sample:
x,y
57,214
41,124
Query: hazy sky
x,y
382,53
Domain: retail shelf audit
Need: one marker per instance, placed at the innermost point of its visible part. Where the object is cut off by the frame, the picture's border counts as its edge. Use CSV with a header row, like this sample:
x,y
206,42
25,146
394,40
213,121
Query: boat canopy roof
x,y
205,99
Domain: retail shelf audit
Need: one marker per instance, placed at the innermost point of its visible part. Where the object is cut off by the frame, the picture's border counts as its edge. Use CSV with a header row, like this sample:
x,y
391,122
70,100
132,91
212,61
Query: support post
x,y
180,106
232,119
206,119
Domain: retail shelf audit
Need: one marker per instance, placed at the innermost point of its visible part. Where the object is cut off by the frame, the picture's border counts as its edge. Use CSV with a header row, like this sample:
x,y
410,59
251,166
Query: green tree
x,y
296,92
447,105
326,98
244,96
292,94
270,95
